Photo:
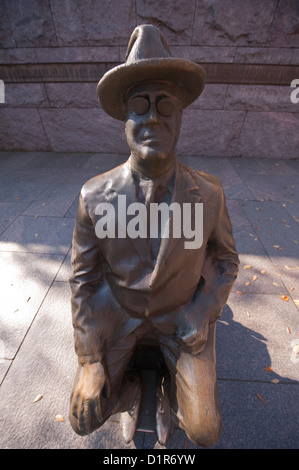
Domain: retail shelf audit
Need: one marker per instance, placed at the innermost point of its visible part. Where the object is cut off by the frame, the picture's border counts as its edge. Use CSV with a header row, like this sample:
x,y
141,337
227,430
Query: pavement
x,y
257,365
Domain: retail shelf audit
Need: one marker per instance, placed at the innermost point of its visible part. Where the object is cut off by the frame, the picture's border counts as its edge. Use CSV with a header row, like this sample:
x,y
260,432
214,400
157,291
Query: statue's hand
x,y
85,409
192,336
194,319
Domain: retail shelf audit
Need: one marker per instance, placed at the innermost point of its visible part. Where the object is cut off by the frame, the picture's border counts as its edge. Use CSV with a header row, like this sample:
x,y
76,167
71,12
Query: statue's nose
x,y
153,115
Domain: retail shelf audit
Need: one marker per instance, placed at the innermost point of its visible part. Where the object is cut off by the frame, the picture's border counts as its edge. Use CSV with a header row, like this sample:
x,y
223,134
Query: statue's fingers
x,y
107,387
75,404
98,411
82,414
87,410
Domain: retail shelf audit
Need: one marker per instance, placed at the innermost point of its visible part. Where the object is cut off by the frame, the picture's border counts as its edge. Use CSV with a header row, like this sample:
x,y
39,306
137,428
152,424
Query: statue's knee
x,y
205,434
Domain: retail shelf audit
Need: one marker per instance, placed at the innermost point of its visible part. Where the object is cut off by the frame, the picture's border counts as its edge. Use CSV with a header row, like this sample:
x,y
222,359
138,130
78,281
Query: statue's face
x,y
153,120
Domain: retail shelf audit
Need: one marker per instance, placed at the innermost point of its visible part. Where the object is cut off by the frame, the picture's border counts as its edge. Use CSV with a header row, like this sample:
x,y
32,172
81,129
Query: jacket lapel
x,y
186,190
123,191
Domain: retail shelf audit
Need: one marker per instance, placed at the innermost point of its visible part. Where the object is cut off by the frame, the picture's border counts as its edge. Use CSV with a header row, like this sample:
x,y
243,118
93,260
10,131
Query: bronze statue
x,y
128,284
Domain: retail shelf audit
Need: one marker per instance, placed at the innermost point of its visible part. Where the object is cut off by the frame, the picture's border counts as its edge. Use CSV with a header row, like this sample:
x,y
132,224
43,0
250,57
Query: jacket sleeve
x,y
86,282
222,262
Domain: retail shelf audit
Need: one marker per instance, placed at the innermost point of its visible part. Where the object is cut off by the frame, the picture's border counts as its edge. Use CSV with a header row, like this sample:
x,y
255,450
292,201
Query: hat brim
x,y
187,75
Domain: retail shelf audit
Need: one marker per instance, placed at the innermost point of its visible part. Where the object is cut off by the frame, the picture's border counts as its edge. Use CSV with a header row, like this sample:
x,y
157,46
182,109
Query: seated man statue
x,y
132,280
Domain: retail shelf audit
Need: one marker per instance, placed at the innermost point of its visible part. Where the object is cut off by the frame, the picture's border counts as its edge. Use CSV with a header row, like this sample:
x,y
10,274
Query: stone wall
x,y
53,52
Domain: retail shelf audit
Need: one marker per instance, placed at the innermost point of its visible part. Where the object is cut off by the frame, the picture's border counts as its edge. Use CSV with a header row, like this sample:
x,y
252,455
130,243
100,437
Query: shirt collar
x,y
166,180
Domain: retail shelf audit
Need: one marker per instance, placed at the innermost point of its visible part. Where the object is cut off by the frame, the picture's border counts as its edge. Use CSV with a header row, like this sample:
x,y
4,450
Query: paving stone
x,y
279,167
250,424
24,191
48,368
65,270
25,280
276,229
12,161
7,180
62,161
274,187
290,278
293,210
102,162
294,164
38,235
72,212
233,186
258,275
8,213
54,201
246,238
256,331
245,166
4,366
264,166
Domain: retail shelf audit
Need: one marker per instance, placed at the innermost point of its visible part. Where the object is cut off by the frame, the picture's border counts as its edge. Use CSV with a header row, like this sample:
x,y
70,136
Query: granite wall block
x,y
210,133
25,95
285,27
60,49
83,130
72,95
93,23
269,135
229,22
22,129
175,18
31,23
260,98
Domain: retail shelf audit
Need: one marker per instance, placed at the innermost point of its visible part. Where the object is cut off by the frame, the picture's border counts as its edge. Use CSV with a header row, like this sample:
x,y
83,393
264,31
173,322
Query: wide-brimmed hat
x,y
148,58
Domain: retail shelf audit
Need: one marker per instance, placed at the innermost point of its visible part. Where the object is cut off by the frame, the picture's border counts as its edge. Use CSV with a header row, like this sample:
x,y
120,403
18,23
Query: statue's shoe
x,y
164,424
129,419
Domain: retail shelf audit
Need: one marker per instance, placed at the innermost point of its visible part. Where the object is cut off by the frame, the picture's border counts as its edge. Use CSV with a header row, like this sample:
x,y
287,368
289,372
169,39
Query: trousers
x,y
194,397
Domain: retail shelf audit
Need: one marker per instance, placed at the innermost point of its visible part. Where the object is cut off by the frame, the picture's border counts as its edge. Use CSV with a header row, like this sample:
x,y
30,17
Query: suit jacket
x,y
116,285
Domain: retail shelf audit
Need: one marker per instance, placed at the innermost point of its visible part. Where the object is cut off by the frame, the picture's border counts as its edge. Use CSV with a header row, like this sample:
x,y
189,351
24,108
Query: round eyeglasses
x,y
140,105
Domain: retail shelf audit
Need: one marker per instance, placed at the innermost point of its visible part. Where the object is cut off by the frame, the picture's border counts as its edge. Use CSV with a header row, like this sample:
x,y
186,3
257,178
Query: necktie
x,y
156,194
151,191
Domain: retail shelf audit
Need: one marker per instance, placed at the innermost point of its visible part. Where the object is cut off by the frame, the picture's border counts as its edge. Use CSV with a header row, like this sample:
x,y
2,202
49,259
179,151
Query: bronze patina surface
x,y
131,289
